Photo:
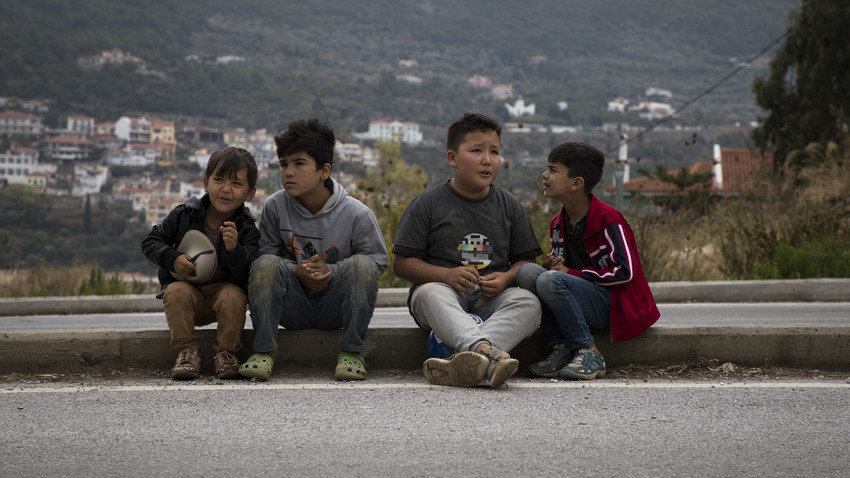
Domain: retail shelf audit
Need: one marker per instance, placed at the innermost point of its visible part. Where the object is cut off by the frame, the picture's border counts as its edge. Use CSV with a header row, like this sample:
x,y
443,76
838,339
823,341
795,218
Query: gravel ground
x,y
697,371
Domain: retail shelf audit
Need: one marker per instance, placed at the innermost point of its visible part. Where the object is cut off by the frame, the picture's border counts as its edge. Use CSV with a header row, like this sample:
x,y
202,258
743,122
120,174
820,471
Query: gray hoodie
x,y
344,227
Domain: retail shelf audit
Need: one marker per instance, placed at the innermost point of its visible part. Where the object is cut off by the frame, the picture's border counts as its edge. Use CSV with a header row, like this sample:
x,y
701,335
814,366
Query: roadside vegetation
x,y
793,223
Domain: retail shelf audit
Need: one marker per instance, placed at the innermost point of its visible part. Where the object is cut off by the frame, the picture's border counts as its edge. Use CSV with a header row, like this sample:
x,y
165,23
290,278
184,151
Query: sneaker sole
x,y
505,369
570,375
465,369
535,373
184,375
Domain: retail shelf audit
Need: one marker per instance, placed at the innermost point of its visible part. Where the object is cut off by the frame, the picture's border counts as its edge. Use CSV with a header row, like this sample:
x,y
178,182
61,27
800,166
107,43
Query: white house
x,y
618,104
660,93
66,148
88,180
133,130
652,110
412,79
78,125
17,163
519,108
502,91
14,123
394,131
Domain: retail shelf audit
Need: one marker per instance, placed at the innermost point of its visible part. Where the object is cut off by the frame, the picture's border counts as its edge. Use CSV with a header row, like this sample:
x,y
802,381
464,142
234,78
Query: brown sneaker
x,y
502,366
226,365
188,365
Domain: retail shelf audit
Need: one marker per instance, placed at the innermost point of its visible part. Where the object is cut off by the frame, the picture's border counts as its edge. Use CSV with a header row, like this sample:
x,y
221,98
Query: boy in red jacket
x,y
592,281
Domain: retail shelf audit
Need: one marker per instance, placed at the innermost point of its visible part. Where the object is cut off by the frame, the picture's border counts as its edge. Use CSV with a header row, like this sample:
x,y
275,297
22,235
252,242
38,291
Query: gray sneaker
x,y
586,365
502,366
551,365
463,369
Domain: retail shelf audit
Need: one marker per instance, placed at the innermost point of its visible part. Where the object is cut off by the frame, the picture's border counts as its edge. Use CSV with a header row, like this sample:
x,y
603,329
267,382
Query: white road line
x,y
386,386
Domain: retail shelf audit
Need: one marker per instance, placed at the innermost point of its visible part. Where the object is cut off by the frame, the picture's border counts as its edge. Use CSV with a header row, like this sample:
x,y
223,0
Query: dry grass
x,y
68,281
738,237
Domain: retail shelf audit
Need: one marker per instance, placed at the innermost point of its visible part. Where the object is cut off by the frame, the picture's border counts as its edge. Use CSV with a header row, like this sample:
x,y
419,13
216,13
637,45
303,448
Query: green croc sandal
x,y
257,366
350,366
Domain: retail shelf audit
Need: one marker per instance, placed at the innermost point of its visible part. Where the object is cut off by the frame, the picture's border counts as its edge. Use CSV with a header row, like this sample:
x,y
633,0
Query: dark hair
x,y
311,136
228,161
470,123
581,159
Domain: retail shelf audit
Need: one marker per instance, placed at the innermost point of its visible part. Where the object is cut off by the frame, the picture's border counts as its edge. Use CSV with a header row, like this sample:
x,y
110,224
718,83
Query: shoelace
x,y
579,357
186,357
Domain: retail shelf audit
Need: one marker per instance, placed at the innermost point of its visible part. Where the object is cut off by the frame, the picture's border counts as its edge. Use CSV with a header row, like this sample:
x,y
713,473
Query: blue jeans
x,y
277,299
573,308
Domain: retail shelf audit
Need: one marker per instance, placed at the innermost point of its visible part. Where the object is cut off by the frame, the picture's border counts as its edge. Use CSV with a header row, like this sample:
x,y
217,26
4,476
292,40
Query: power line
x,y
708,90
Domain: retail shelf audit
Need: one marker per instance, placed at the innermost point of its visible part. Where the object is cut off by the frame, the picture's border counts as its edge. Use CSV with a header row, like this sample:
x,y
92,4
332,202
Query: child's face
x,y
476,163
557,183
228,194
299,176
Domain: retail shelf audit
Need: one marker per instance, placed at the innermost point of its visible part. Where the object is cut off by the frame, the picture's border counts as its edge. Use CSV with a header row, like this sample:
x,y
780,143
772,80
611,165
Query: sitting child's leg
x,y
229,303
575,309
180,302
358,288
267,289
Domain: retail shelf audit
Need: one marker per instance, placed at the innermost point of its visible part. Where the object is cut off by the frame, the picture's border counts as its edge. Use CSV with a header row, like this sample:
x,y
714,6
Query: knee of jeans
x,y
548,285
361,267
264,270
526,276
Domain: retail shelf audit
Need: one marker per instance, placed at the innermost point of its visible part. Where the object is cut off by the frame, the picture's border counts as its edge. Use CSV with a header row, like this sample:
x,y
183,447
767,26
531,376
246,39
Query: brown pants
x,y
187,305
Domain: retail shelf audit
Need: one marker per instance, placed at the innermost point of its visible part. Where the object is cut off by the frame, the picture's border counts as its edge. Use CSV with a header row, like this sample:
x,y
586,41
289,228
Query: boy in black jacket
x,y
204,278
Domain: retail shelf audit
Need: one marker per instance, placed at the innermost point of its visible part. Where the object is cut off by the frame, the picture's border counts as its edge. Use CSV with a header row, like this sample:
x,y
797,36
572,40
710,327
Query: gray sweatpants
x,y
509,317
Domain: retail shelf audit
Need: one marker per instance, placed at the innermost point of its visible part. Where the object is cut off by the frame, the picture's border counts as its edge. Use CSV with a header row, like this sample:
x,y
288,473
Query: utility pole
x,y
621,165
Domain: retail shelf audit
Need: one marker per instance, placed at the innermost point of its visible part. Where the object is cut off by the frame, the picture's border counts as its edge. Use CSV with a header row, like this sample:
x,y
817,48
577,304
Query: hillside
x,y
339,60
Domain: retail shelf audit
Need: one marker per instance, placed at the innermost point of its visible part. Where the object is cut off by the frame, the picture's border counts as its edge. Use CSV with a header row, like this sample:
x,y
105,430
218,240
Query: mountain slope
x,y
339,59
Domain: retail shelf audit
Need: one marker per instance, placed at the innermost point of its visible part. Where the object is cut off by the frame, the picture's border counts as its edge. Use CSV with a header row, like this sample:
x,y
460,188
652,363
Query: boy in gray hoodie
x,y
321,253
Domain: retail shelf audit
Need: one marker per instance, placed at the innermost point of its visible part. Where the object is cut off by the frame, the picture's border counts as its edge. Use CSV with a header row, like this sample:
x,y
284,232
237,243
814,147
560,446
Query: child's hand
x,y
552,262
229,235
182,266
313,273
462,279
492,285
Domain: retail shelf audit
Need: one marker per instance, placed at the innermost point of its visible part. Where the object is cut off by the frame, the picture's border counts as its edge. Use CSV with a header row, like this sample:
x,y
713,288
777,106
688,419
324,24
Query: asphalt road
x,y
695,313
404,427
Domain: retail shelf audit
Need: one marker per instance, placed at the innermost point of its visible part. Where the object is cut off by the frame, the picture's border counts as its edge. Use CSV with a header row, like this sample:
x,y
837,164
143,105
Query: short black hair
x,y
311,136
228,161
581,159
470,123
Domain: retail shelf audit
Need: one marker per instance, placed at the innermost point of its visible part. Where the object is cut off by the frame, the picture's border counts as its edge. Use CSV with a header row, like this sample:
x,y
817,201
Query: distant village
x,y
76,160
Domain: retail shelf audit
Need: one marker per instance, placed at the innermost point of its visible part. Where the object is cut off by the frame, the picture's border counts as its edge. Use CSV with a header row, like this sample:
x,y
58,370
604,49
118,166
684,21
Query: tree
x,y
805,94
388,192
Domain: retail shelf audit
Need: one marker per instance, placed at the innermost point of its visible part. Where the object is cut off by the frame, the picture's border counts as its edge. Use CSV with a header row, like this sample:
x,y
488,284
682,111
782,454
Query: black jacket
x,y
160,245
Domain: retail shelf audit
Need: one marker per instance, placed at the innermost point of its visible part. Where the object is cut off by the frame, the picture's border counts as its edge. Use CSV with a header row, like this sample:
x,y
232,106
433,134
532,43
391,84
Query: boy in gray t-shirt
x,y
460,244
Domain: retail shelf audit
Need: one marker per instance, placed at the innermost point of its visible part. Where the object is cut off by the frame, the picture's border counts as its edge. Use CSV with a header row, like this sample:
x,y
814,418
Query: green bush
x,y
816,259
101,284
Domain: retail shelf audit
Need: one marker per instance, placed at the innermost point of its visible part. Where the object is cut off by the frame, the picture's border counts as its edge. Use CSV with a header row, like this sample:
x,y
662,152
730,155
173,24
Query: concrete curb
x,y
802,290
806,346
825,347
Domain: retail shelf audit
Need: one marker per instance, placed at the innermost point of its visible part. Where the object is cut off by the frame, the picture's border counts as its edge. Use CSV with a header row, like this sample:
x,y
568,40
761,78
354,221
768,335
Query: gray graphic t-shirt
x,y
446,229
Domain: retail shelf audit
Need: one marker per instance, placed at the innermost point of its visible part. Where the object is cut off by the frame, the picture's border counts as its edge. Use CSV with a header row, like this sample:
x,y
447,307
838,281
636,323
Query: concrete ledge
x,y
805,290
824,347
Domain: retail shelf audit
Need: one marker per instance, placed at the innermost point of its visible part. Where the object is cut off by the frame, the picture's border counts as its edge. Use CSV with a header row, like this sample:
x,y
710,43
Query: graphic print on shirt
x,y
331,256
557,242
475,251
